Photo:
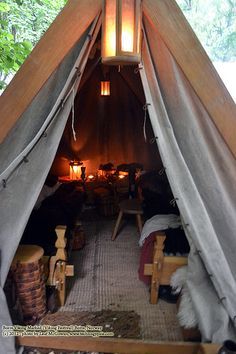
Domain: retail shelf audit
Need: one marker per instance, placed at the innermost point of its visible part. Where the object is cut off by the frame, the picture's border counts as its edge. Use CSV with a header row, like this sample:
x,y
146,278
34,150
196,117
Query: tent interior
x,y
104,125
108,129
156,116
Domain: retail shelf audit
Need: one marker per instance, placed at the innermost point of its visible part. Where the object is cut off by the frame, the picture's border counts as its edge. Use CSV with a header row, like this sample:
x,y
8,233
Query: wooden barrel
x,y
27,270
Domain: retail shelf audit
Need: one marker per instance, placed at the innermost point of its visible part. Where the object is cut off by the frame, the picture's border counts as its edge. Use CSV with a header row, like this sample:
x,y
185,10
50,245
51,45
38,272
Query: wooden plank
x,y
65,31
170,267
108,345
209,348
166,17
70,272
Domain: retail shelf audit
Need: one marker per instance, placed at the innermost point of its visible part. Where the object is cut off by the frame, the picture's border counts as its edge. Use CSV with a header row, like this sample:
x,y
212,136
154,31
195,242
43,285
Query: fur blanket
x,y
186,314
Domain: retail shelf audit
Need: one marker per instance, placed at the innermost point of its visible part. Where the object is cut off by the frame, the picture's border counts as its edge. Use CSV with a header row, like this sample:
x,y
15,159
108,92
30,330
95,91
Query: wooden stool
x,y
129,206
27,271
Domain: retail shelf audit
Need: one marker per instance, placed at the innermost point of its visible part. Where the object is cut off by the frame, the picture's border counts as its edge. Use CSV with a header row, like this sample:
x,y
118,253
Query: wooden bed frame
x,y
161,270
162,266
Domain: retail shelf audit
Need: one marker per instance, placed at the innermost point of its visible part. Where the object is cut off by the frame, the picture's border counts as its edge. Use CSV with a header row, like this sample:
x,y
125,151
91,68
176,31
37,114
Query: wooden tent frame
x,y
166,17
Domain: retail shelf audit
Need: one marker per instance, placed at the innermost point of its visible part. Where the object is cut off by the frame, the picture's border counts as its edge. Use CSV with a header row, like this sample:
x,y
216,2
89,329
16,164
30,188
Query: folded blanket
x,y
158,223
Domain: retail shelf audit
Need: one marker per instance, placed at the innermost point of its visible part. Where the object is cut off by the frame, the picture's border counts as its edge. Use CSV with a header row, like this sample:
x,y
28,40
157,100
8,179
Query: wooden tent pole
x,y
61,36
166,17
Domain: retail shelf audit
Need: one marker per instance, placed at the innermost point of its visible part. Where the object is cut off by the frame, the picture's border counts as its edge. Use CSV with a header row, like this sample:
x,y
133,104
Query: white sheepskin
x,y
178,279
186,314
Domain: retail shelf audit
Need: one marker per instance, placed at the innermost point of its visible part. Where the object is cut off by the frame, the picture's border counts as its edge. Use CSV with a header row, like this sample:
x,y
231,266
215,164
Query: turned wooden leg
x,y
57,274
139,222
118,221
158,259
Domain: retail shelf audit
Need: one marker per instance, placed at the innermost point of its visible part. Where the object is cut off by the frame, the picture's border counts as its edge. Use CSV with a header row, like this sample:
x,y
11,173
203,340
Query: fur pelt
x,y
186,314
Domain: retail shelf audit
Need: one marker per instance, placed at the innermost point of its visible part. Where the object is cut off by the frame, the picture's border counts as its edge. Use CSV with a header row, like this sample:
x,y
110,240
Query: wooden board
x,y
114,345
107,345
166,17
61,36
170,265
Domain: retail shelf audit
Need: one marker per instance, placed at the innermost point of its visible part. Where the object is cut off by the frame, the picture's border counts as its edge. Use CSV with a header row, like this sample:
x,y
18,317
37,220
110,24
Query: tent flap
x,y
18,193
201,172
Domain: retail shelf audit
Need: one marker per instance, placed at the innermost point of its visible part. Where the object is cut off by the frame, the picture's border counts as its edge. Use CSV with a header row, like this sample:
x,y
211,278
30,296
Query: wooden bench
x,y
162,266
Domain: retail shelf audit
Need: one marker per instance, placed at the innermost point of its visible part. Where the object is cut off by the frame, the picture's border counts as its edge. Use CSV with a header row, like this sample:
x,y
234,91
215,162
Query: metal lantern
x,y
75,169
121,32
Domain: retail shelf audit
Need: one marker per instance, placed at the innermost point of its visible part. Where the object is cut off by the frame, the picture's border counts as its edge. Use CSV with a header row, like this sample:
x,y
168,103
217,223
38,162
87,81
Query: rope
x,y
73,115
145,108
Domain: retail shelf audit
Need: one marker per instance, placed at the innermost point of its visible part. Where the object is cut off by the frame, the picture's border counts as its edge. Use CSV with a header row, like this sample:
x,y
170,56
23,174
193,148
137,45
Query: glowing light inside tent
x,y
91,177
75,169
127,26
123,174
105,88
110,29
121,32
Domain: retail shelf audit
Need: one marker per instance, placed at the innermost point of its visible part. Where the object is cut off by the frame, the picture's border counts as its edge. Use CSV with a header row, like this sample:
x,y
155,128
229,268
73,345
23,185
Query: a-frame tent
x,y
194,122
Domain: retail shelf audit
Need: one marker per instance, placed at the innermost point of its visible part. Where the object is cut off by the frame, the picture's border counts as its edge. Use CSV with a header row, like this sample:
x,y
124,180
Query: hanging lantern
x,y
75,169
121,33
105,88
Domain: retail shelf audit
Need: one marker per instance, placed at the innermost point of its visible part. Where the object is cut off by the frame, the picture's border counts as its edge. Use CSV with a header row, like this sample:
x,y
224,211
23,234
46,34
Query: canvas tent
x,y
193,119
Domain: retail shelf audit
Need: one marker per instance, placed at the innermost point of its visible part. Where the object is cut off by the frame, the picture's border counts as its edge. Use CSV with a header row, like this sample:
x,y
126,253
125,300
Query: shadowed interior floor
x,y
106,278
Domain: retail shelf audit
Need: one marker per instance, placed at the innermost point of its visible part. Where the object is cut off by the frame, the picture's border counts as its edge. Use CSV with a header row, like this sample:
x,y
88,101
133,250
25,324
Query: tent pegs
x,y
173,201
152,141
136,70
90,36
78,72
145,107
222,299
163,168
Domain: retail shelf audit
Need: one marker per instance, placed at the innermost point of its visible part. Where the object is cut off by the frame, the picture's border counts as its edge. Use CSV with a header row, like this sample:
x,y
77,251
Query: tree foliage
x,y
214,22
22,23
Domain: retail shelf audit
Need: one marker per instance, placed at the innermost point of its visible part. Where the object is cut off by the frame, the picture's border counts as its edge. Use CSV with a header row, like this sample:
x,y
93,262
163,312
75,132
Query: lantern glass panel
x,y
127,25
110,29
105,88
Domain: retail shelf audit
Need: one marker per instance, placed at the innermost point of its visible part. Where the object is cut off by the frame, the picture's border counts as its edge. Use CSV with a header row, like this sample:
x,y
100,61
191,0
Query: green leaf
x,y
2,85
4,7
19,2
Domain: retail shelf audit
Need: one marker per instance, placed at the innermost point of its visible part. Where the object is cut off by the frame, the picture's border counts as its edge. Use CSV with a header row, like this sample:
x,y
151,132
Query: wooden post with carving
x,y
158,258
58,270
